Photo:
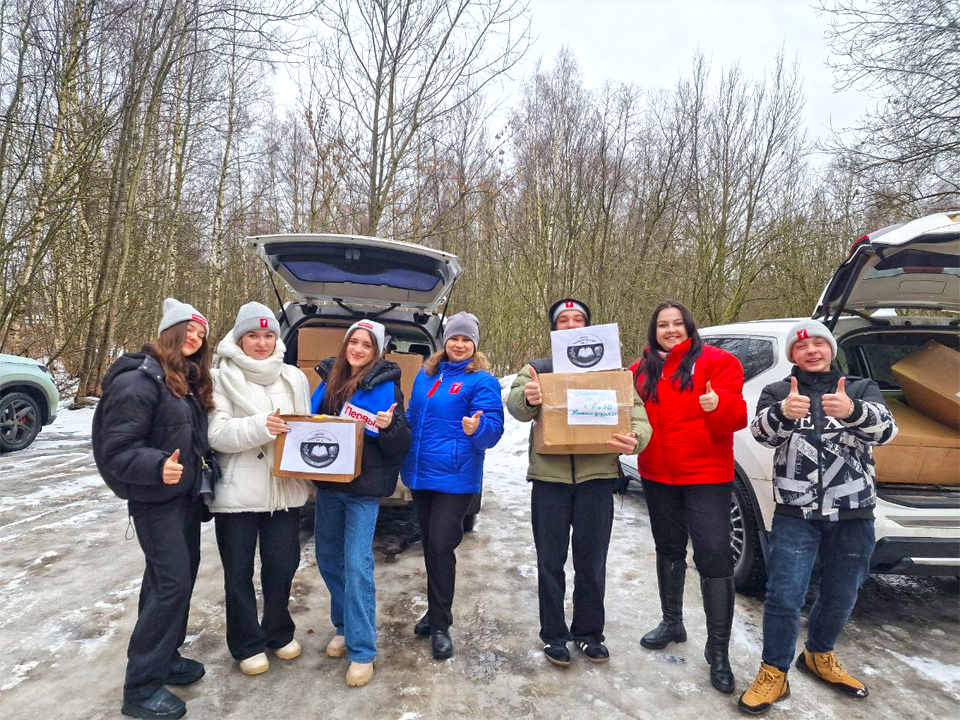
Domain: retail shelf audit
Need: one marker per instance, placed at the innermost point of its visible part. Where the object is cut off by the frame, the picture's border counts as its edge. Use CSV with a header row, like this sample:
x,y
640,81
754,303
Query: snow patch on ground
x,y
945,675
18,674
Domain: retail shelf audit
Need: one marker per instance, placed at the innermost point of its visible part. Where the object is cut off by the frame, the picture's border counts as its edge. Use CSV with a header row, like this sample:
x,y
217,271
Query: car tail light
x,y
853,248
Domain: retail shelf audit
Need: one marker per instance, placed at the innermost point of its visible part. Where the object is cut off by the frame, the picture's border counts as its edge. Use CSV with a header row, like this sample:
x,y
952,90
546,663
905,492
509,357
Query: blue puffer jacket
x,y
442,456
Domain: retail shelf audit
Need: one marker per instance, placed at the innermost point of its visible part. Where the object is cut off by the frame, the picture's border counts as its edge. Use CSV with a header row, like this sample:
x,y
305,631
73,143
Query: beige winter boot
x,y
255,664
337,647
359,674
289,651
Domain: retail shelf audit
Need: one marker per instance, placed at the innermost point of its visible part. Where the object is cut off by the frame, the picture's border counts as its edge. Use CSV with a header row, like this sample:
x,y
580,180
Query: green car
x,y
28,401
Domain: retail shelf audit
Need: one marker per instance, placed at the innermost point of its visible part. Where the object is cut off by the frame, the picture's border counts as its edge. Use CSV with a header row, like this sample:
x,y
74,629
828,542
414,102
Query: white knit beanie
x,y
809,329
254,316
175,312
376,330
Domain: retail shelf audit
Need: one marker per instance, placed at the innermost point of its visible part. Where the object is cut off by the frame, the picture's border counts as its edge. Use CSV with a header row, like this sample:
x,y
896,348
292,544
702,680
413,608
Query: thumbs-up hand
x,y
838,405
275,424
709,400
470,424
795,406
172,469
385,417
531,391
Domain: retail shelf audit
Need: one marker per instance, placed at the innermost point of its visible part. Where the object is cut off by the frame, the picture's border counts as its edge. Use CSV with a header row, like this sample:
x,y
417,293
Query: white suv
x,y
899,288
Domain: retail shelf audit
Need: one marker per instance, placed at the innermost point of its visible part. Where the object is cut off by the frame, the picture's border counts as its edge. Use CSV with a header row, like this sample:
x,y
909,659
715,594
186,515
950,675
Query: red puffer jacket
x,y
690,446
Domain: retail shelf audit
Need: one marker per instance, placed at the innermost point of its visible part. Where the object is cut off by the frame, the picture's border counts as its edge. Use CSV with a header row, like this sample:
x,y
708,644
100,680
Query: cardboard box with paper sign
x,y
320,447
588,397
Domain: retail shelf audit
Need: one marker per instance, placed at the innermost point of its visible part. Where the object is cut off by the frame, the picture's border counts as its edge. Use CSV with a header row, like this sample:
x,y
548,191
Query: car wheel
x,y
748,567
469,521
19,421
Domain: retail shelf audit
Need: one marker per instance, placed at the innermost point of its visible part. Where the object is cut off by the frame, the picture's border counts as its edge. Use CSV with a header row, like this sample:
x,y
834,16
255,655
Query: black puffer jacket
x,y
382,455
823,467
137,426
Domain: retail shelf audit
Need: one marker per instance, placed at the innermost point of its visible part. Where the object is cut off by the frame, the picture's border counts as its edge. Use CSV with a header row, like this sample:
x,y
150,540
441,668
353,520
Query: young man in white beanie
x,y
251,389
823,427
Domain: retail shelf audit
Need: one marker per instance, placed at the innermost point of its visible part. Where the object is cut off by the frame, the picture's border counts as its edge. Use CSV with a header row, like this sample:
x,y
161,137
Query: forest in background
x,y
141,142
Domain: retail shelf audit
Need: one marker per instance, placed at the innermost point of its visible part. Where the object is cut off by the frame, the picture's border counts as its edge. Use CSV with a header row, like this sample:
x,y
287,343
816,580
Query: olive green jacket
x,y
571,468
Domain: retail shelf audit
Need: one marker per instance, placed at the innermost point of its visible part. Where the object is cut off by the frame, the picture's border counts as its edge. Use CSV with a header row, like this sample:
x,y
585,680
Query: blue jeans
x,y
344,546
844,548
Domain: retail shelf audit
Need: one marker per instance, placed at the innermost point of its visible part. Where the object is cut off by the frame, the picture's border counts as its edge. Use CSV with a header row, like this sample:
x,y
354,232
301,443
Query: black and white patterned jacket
x,y
823,467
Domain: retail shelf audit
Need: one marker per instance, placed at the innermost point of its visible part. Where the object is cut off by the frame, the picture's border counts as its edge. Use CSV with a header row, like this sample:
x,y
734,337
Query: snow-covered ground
x,y
71,572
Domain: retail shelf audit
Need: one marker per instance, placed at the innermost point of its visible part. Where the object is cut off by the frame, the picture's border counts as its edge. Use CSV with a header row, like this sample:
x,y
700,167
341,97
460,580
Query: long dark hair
x,y
341,382
651,364
184,374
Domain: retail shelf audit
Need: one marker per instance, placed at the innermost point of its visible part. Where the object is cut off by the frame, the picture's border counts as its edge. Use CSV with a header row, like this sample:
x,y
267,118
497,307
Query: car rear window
x,y
755,355
317,271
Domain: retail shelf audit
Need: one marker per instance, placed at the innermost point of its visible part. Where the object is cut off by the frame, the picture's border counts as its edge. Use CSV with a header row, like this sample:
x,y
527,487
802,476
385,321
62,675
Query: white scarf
x,y
237,370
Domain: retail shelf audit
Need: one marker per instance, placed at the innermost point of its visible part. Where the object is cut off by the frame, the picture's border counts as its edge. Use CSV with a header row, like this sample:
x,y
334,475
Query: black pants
x,y
698,512
169,534
587,507
441,529
279,537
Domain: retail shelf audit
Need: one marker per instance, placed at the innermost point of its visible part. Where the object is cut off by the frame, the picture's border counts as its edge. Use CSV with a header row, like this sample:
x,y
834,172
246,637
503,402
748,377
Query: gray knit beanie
x,y
809,329
254,316
463,323
175,312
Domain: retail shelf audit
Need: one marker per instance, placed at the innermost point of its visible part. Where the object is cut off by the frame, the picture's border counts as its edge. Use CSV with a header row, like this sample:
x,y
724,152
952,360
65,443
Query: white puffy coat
x,y
245,391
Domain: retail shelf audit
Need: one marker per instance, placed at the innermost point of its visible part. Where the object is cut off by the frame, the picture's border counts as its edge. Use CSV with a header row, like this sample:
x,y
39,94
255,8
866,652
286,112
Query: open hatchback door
x,y
355,270
912,266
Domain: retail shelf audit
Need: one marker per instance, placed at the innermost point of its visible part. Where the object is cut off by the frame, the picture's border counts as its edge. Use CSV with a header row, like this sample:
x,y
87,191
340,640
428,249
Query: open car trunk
x,y
354,270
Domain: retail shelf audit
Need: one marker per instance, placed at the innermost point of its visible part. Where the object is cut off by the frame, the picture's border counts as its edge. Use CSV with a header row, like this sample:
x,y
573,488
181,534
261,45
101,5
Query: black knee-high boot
x,y
670,576
718,596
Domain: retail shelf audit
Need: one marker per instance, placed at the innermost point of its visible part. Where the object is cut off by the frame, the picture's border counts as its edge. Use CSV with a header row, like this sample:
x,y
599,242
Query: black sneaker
x,y
442,645
184,671
422,627
162,705
557,654
596,652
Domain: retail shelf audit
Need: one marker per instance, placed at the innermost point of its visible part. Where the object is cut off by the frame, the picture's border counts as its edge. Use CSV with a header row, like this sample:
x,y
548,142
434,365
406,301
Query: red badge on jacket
x,y
455,388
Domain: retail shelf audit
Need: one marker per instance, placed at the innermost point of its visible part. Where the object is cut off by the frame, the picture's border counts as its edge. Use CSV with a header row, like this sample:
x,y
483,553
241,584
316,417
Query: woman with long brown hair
x,y
149,441
693,394
358,383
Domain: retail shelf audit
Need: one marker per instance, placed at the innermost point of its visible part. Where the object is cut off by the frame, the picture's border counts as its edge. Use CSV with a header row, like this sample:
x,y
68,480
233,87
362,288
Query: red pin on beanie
x,y
254,316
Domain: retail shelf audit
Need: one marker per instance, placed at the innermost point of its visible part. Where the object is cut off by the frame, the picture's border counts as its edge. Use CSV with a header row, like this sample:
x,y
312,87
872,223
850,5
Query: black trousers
x,y
586,507
441,517
169,535
698,512
279,536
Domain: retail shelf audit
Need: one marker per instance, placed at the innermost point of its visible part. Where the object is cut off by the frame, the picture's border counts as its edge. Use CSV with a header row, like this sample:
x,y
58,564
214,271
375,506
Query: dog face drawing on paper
x,y
586,351
319,449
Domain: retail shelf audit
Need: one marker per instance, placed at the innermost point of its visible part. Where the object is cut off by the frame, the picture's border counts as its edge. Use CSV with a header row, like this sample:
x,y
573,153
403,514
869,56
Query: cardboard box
x,y
318,343
323,441
311,373
410,364
930,379
924,451
581,411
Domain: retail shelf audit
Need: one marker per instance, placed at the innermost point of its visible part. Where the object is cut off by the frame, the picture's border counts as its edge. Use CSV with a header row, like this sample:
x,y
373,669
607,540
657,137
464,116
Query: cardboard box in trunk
x,y
318,343
320,447
311,373
924,452
930,379
410,364
581,411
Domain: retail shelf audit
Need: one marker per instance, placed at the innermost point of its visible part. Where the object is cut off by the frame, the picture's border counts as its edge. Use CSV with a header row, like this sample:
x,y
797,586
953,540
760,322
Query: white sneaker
x,y
289,651
255,665
337,647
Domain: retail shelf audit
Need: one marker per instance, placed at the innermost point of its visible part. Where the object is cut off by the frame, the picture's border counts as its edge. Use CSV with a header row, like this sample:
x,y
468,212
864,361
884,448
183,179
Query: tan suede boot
x,y
359,674
826,667
337,647
770,686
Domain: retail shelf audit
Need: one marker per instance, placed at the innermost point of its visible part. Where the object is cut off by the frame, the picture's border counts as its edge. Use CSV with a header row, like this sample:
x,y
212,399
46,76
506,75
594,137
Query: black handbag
x,y
210,474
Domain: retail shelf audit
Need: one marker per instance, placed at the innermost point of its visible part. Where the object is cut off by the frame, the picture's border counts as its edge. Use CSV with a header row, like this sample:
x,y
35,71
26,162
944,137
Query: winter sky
x,y
652,42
